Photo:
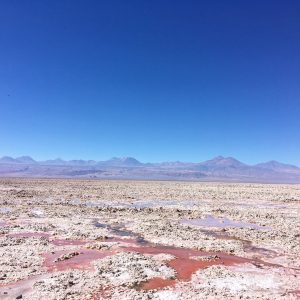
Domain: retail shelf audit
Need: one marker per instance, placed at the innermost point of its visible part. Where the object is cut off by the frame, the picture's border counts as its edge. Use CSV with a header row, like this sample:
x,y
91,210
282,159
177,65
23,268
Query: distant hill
x,y
217,169
277,166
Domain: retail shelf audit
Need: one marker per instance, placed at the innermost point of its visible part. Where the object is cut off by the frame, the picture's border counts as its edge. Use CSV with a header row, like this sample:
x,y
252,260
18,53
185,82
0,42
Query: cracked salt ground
x,y
150,255
240,281
211,221
3,223
140,204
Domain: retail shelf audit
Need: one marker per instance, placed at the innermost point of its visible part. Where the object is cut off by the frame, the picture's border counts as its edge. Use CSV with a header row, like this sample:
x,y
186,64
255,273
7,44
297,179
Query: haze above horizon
x,y
158,81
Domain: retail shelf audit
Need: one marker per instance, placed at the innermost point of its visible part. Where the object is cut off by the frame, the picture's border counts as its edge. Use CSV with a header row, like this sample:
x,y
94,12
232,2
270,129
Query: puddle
x,y
247,245
120,230
157,283
211,221
117,229
5,210
187,262
81,261
184,265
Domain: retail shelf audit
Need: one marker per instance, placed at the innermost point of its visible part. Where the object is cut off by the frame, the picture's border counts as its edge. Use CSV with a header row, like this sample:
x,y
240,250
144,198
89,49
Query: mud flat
x,y
88,239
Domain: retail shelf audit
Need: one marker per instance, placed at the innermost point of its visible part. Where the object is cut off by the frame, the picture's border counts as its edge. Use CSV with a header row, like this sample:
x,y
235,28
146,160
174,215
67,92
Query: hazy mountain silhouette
x,y
219,168
7,159
277,166
26,160
121,161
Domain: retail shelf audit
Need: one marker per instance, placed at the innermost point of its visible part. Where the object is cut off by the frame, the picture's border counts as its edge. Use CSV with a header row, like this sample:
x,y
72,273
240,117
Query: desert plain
x,y
97,239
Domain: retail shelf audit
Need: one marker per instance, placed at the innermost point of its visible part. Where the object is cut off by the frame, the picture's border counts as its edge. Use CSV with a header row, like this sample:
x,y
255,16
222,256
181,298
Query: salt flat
x,y
93,239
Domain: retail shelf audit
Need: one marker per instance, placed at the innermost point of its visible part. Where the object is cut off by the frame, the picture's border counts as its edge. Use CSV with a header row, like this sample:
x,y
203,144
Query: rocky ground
x,y
90,239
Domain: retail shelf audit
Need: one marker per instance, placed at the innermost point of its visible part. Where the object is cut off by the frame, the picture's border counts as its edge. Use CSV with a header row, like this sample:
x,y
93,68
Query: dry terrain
x,y
93,239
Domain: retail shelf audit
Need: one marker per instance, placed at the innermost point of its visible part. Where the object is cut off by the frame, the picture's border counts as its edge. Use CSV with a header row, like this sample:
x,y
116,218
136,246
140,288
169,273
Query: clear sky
x,y
158,80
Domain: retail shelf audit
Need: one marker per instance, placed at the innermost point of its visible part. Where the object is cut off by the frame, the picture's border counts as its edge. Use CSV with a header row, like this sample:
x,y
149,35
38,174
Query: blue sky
x,y
157,80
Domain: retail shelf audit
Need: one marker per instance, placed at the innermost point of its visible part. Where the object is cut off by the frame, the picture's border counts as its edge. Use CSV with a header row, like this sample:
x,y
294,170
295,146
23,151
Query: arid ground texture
x,y
97,239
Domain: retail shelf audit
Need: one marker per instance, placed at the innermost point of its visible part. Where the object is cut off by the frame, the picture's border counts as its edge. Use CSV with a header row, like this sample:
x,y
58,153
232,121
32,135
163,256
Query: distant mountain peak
x,y
221,161
276,166
219,157
18,160
126,167
7,159
56,161
126,160
25,159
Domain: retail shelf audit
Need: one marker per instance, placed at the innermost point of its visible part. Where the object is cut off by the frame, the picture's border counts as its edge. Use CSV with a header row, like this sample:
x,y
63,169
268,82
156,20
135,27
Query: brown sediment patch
x,y
295,293
138,242
28,234
63,242
81,261
248,247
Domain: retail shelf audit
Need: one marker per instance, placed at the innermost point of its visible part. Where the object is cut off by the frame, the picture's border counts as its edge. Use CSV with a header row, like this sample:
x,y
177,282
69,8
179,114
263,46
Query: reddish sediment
x,y
187,262
157,283
295,293
82,261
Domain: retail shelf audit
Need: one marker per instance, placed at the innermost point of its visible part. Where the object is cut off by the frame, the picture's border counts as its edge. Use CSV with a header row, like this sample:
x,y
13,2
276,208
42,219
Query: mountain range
x,y
217,169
